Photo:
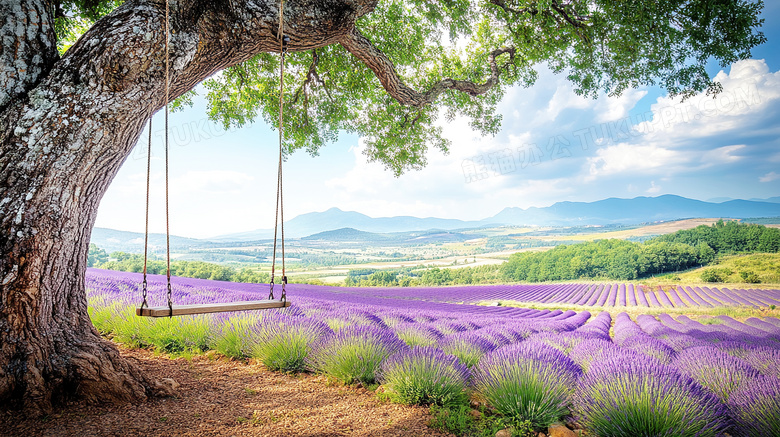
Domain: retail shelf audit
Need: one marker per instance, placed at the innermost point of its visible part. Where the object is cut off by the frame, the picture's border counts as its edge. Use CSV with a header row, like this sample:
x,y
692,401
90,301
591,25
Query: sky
x,y
553,146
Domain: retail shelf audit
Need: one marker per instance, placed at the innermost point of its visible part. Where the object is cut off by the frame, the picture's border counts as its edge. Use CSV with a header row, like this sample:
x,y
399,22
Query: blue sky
x,y
553,146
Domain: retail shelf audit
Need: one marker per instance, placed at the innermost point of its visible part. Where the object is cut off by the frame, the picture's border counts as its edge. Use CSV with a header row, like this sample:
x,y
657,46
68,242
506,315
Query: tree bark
x,y
66,126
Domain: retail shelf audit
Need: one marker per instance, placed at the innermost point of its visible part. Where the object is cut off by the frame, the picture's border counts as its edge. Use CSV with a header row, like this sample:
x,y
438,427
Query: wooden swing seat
x,y
183,310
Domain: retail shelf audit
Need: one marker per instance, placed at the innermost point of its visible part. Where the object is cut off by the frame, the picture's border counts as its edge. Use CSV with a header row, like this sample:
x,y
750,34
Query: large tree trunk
x,y
66,126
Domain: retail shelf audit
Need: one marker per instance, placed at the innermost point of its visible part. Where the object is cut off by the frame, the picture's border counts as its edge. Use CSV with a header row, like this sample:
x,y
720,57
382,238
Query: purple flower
x,y
755,408
627,398
718,371
467,346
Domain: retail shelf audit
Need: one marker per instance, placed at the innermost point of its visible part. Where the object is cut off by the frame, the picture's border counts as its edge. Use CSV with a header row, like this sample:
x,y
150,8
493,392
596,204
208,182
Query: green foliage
x,y
425,376
72,18
624,260
461,421
127,262
602,45
179,335
612,259
235,337
283,344
714,275
728,237
423,276
96,256
749,277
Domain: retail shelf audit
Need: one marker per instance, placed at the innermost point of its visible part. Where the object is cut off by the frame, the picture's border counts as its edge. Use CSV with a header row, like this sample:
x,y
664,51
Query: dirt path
x,y
218,397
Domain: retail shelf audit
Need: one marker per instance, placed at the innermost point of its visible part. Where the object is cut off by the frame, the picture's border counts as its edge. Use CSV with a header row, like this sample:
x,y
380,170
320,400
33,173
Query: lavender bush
x,y
527,382
755,408
639,398
467,346
354,353
283,342
417,334
719,372
233,335
425,376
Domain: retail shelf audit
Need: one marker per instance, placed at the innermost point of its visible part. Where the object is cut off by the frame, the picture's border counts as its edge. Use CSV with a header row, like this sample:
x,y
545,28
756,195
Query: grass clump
x,y
462,420
424,376
182,335
354,354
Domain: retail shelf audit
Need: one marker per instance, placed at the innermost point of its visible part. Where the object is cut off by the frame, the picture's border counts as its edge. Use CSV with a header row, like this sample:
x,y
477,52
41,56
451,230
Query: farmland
x,y
681,360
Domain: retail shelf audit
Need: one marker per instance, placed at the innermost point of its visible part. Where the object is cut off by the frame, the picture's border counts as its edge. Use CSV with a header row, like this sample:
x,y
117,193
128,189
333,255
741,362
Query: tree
x,y
96,256
385,70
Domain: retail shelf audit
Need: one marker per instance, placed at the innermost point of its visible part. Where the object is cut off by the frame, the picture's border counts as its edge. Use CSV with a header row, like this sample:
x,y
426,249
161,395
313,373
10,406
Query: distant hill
x,y
334,218
112,240
353,226
632,211
346,234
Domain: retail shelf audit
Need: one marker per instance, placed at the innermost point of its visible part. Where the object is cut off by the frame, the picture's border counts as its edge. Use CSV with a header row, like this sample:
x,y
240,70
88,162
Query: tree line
x,y
624,260
130,262
423,276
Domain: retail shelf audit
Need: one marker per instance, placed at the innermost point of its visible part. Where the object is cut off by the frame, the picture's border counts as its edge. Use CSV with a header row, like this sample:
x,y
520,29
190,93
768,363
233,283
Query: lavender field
x,y
609,373
600,295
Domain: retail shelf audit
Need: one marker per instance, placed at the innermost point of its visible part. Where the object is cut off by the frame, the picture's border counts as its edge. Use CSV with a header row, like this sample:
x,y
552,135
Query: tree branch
x,y
360,47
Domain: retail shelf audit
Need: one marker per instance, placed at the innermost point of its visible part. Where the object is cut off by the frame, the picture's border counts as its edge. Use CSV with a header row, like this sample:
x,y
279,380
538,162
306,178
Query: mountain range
x,y
601,212
317,225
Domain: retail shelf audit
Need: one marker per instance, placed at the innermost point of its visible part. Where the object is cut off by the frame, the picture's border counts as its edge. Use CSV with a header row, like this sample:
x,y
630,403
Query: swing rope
x,y
144,309
145,304
283,40
167,215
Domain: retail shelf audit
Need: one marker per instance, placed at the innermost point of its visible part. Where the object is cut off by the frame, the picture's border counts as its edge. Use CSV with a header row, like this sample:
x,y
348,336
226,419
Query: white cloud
x,y
769,177
654,189
722,155
748,90
615,108
627,158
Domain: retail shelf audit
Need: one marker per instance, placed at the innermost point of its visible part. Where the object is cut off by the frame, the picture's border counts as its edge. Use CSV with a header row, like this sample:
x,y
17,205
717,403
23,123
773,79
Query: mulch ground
x,y
221,397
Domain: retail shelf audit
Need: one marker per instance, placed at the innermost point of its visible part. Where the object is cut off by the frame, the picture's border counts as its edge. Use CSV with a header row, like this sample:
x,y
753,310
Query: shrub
x,y
234,336
467,346
712,275
283,342
629,398
417,334
755,408
179,335
749,277
130,329
764,359
425,376
651,347
593,351
461,420
527,382
354,354
715,370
